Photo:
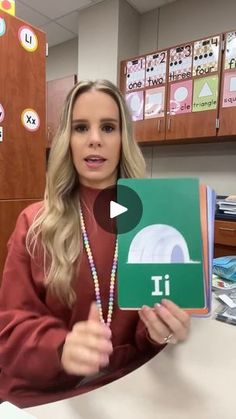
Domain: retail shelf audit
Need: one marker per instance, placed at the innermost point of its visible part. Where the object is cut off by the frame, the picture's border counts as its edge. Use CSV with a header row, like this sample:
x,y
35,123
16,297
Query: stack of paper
x,y
227,206
169,253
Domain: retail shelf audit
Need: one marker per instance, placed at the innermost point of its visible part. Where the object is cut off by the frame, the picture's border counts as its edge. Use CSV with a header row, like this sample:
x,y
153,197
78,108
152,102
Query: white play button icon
x,y
116,209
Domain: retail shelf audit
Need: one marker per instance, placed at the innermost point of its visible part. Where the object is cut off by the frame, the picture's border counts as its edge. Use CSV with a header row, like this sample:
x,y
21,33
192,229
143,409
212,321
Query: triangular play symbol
x,y
116,209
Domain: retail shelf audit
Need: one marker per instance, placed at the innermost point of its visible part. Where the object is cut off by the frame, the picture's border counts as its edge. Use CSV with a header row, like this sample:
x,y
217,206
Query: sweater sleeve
x,y
30,336
144,341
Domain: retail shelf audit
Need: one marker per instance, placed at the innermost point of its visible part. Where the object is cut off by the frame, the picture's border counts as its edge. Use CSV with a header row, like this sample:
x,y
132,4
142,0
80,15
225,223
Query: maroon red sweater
x,y
34,324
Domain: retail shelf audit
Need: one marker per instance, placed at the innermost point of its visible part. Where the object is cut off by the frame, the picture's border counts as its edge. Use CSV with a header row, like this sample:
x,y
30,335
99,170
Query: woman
x,y
61,332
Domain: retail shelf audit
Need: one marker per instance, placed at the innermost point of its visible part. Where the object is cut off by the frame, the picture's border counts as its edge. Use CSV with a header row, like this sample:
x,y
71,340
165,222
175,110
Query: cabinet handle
x,y
159,125
169,124
227,229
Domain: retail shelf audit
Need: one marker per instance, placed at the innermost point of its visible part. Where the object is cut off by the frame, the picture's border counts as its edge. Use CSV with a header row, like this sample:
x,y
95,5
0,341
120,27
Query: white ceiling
x,y
59,19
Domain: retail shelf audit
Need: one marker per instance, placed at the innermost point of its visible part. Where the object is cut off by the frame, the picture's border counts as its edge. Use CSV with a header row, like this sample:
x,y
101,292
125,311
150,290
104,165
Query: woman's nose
x,y
95,137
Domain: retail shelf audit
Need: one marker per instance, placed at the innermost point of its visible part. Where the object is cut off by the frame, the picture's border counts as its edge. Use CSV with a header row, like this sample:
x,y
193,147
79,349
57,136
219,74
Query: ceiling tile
x,y
55,34
29,15
70,21
54,9
40,13
145,6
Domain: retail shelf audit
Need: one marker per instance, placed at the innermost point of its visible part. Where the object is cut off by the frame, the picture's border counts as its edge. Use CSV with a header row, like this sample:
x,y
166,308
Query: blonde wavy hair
x,y
57,226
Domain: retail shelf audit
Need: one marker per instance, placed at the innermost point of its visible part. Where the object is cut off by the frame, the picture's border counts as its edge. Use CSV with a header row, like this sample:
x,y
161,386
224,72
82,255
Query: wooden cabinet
x,y
225,238
57,91
22,97
22,120
181,86
146,129
187,127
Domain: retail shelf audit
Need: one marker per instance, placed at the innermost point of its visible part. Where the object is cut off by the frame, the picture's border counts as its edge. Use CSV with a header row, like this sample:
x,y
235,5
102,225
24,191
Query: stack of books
x,y
169,253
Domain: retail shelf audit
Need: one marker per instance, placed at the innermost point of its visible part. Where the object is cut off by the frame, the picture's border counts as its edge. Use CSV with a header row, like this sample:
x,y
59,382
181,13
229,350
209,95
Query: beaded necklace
x,y
95,276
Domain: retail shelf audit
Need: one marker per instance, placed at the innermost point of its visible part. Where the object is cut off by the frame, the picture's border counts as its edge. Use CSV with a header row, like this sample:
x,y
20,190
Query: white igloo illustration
x,y
159,243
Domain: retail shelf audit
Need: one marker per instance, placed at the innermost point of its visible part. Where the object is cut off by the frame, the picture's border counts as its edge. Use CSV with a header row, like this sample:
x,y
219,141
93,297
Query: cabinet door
x,y
22,99
193,85
227,110
57,91
225,238
225,232
202,125
152,130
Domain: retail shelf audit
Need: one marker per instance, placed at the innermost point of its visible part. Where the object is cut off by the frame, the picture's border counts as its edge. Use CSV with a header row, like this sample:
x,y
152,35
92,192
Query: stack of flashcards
x,y
168,254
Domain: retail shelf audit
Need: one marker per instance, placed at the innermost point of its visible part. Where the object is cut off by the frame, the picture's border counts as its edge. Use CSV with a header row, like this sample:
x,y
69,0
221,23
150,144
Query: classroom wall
x,y
128,32
98,40
184,20
148,36
62,60
213,164
177,22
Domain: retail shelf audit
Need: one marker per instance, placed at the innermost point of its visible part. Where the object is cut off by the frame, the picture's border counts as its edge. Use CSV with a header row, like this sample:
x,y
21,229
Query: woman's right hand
x,y
88,346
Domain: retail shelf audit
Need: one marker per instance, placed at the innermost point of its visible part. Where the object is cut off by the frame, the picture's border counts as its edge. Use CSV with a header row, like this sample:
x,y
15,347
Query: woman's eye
x,y
80,128
108,128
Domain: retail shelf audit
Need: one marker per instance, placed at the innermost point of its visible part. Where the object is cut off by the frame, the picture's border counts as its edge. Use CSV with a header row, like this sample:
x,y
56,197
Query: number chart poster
x,y
205,93
180,63
206,56
181,97
230,51
135,102
156,69
135,76
229,91
155,102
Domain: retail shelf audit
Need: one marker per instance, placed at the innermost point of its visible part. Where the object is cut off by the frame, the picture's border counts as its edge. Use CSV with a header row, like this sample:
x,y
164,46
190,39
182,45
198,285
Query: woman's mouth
x,y
94,161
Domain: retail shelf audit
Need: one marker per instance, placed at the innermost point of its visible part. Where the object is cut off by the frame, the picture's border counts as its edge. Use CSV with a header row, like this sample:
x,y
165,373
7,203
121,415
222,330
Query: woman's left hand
x,y
166,322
